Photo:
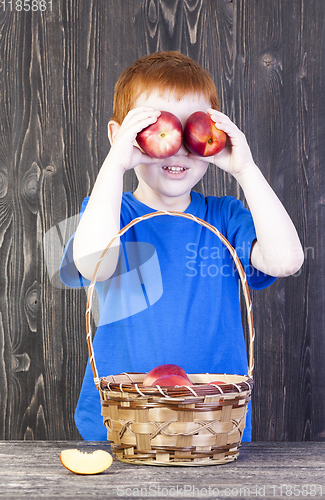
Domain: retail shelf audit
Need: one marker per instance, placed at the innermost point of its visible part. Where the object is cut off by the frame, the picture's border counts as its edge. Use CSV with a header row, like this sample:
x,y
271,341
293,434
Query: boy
x,y
169,292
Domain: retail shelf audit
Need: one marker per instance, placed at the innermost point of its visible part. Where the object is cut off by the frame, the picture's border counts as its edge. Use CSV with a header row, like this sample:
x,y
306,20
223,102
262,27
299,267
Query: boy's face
x,y
168,183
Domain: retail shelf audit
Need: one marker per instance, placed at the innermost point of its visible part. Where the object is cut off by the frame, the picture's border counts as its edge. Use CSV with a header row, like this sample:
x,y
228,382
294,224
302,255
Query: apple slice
x,y
85,463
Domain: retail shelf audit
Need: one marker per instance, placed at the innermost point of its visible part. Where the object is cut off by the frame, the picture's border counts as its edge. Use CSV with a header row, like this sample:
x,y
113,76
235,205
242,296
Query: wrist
x,y
112,163
248,175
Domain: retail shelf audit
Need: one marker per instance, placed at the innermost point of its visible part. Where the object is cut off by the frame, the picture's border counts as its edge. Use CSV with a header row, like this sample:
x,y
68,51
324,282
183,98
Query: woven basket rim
x,y
196,391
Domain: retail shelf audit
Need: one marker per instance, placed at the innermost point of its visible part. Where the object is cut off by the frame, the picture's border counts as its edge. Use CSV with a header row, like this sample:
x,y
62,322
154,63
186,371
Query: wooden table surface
x,y
32,469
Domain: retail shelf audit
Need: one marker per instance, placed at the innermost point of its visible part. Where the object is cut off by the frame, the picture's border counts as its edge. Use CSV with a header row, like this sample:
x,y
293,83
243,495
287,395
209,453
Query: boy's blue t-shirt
x,y
173,298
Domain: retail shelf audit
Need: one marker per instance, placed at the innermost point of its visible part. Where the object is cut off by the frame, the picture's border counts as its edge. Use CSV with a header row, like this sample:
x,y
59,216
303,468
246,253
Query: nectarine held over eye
x,y
201,136
163,138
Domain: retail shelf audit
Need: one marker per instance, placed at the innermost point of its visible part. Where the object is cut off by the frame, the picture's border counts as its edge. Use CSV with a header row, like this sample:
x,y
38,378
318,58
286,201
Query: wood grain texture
x,y
57,74
32,470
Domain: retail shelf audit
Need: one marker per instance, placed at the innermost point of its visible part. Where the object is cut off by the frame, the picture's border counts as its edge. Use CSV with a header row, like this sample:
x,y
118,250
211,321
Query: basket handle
x,y
234,255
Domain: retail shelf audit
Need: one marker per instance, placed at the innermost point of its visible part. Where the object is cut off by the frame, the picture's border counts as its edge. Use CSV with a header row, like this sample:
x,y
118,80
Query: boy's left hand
x,y
236,155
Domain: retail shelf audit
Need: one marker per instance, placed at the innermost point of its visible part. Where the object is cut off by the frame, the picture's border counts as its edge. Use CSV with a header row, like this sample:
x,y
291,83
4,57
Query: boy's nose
x,y
183,151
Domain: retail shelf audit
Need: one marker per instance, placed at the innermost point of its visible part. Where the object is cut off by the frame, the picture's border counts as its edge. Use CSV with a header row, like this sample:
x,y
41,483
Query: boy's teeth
x,y
175,169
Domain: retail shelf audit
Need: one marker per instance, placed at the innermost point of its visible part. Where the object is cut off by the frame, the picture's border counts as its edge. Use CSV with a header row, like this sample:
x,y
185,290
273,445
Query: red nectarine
x,y
172,381
163,138
201,136
162,371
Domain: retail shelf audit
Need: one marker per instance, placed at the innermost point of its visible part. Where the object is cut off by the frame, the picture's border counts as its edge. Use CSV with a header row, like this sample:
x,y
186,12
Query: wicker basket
x,y
198,425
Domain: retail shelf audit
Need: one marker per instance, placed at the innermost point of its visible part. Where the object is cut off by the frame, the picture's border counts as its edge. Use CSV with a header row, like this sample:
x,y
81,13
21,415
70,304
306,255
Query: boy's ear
x,y
112,130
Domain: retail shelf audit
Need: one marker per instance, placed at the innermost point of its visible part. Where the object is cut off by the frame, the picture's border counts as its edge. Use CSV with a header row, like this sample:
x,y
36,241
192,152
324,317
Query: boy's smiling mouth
x,y
174,169
175,172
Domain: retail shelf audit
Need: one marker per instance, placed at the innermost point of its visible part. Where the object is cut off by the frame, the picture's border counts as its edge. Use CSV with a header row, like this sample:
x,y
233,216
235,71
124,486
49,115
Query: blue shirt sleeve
x,y
240,232
69,274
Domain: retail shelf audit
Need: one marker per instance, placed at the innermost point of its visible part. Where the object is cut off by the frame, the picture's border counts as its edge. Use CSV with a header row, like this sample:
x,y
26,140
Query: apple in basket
x,y
172,381
162,371
163,138
86,463
201,136
216,382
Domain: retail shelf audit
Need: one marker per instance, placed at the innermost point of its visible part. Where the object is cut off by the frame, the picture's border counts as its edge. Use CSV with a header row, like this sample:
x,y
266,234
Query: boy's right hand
x,y
124,151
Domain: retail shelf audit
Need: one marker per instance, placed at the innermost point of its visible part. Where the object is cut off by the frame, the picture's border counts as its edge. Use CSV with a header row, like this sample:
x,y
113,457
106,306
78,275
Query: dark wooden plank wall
x,y
57,72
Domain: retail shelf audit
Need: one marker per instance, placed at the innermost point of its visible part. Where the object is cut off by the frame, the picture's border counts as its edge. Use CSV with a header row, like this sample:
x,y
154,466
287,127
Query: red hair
x,y
161,72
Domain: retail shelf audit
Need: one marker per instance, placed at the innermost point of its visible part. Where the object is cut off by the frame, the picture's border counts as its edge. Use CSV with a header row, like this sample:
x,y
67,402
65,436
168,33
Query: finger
x,y
140,113
224,123
140,121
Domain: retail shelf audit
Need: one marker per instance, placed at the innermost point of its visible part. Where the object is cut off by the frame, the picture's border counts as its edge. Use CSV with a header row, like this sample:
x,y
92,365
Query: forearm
x,y
278,250
101,219
100,222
